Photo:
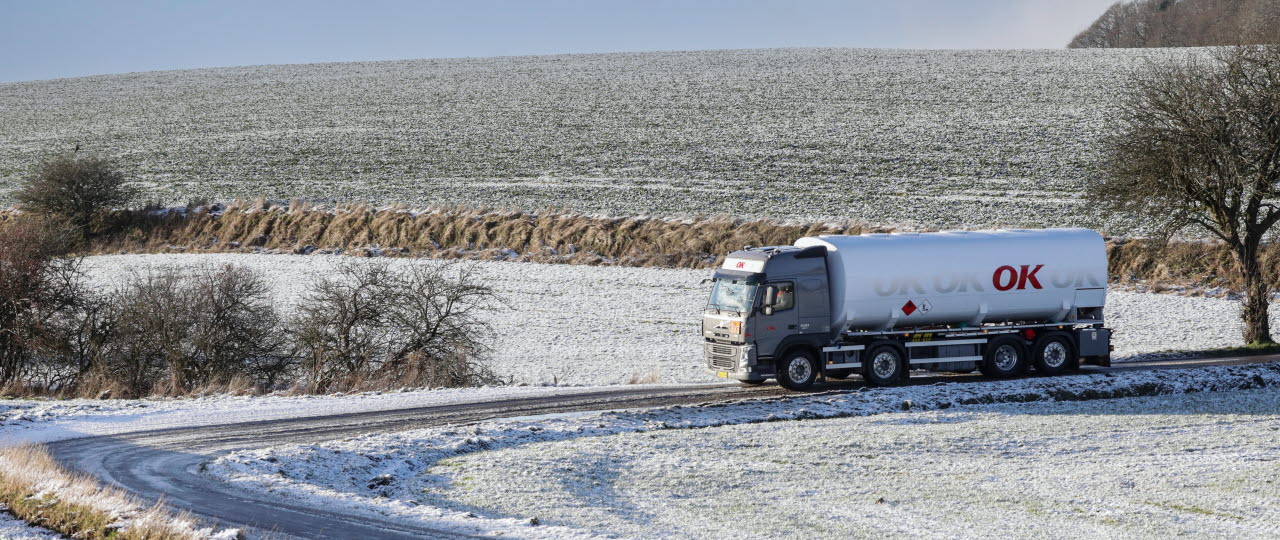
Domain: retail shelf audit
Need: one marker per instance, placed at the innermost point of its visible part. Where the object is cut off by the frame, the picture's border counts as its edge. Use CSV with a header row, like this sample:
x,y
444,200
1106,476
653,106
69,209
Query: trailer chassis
x,y
940,348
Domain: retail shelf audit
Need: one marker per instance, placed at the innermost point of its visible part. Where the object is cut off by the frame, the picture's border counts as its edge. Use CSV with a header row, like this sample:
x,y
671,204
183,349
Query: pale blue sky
x,y
43,39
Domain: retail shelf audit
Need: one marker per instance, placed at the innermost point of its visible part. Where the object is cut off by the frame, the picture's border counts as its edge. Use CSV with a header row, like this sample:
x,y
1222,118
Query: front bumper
x,y
737,362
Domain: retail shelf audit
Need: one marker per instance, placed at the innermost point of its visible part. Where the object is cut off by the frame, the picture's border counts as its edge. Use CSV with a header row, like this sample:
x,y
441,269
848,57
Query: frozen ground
x,y
12,528
1185,452
575,325
1201,465
926,138
49,420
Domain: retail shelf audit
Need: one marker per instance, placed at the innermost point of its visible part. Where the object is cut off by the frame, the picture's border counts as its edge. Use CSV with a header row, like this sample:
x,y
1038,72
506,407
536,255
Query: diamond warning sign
x,y
909,307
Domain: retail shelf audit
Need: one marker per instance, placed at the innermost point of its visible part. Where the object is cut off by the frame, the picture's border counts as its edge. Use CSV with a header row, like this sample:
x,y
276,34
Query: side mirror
x,y
770,296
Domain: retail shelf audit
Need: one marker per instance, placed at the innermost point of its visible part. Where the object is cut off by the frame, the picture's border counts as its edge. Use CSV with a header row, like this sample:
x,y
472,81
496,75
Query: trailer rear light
x,y
1029,334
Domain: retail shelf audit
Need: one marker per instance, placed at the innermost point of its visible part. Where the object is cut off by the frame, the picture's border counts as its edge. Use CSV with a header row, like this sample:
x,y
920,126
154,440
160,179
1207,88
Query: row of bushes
x,y
172,332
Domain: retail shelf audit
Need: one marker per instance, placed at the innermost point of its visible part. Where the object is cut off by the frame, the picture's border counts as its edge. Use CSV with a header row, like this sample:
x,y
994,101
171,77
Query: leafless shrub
x,y
174,333
371,327
37,288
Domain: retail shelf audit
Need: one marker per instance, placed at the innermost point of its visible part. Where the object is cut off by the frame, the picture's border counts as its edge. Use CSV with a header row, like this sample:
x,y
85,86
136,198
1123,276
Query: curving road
x,y
164,464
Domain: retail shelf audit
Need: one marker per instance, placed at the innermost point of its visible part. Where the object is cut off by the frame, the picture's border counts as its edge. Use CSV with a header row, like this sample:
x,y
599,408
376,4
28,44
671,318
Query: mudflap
x,y
1103,361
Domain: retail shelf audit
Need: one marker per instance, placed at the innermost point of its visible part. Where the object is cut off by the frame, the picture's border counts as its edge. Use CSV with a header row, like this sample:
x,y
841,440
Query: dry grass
x,y
39,491
1181,264
452,232
559,237
652,376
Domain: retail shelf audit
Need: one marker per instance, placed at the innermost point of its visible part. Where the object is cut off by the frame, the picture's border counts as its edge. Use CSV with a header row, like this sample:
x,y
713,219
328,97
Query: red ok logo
x,y
1007,277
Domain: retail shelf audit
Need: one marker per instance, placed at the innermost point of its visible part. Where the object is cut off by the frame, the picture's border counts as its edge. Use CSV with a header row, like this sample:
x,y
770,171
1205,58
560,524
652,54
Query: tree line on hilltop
x,y
1183,23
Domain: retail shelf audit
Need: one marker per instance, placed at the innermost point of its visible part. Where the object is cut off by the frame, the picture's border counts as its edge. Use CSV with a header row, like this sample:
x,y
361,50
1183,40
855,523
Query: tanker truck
x,y
882,305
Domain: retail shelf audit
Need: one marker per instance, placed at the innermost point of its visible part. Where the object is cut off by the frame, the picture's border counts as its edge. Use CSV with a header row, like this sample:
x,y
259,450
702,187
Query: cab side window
x,y
786,298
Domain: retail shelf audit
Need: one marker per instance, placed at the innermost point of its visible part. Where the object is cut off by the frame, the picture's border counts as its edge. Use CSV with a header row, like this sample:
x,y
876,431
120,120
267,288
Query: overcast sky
x,y
43,39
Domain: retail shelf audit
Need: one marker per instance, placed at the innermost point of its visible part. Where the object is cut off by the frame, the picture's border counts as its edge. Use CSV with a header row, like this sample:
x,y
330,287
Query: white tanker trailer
x,y
880,305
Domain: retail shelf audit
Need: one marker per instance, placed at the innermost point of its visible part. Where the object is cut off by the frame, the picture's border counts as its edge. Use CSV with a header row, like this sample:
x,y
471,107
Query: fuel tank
x,y
904,280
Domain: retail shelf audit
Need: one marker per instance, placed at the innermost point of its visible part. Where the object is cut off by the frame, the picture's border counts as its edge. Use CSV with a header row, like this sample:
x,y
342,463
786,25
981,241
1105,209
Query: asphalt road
x,y
164,464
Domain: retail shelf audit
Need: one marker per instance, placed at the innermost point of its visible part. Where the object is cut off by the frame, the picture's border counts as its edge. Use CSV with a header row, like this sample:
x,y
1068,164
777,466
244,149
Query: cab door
x,y
772,328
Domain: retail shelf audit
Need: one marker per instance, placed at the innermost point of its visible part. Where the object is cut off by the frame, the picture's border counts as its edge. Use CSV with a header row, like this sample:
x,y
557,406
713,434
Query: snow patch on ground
x,y
12,528
407,474
570,324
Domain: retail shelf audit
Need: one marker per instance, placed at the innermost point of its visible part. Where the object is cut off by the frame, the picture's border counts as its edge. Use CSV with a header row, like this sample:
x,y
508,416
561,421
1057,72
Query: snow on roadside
x,y
383,474
1199,465
12,528
573,324
50,420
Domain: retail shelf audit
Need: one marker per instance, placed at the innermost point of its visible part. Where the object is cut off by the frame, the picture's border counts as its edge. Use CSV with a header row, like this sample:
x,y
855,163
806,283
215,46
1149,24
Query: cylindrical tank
x,y
902,280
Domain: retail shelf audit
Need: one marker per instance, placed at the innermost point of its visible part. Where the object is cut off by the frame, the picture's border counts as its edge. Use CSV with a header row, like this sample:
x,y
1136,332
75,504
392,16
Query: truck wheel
x,y
883,366
1006,357
1053,354
797,370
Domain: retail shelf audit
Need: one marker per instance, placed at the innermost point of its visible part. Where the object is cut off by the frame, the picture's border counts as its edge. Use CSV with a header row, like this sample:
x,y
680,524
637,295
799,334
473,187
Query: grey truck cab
x,y
764,302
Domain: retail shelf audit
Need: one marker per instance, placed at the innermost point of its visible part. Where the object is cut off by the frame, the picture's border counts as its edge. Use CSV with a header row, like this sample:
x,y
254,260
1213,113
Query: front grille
x,y
722,356
723,362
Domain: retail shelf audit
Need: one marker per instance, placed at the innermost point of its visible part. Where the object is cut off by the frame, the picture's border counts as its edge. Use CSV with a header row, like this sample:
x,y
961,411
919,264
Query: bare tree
x,y
77,188
1198,146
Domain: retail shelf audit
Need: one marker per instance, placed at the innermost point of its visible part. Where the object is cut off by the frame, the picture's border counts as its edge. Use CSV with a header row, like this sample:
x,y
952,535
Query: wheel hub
x,y
1006,358
799,369
1055,354
884,365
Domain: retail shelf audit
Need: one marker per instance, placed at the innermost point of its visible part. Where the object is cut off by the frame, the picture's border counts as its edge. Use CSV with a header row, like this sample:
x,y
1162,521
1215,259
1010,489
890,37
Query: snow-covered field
x,y
930,138
578,325
1187,452
1202,465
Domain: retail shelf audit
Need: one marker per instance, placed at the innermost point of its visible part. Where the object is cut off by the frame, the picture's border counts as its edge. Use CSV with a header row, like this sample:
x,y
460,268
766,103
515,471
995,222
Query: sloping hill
x,y
924,138
1184,23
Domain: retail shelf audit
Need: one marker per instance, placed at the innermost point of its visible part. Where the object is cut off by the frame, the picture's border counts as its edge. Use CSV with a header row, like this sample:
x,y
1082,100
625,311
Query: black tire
x,y
797,370
840,374
1006,357
1053,354
883,365
751,383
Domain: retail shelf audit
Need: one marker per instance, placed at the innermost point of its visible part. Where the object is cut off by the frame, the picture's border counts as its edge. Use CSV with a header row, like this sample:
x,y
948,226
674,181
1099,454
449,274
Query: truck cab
x,y
765,302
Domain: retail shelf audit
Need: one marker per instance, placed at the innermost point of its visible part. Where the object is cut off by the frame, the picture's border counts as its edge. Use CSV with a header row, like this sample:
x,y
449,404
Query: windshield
x,y
732,295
